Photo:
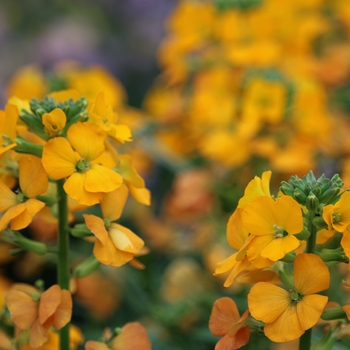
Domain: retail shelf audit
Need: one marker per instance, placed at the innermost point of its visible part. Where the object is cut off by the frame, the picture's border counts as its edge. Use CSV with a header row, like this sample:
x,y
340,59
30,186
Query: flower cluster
x,y
58,156
279,240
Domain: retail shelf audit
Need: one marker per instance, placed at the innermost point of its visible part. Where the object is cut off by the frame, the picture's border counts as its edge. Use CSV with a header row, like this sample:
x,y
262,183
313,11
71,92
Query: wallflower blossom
x,y
273,224
21,207
115,244
38,312
102,114
288,314
226,322
75,160
54,122
133,336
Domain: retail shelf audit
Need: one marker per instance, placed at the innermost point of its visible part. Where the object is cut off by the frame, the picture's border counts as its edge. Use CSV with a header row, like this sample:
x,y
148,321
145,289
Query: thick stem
x,y
63,254
305,339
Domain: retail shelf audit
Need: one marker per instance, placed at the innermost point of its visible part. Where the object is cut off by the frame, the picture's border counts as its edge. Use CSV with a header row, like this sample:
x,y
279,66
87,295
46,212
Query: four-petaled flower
x,y
77,160
287,314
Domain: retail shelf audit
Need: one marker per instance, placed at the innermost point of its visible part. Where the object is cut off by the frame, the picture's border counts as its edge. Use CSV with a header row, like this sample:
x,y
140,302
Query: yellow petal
x,y
109,255
267,302
10,214
97,227
23,308
124,239
142,195
74,187
54,122
236,234
311,274
8,198
101,179
112,203
279,247
33,180
309,309
32,207
65,95
59,159
286,327
87,139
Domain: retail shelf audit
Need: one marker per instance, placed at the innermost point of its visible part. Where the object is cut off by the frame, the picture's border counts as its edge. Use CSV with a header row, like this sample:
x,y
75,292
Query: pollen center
x,y
279,232
336,217
82,165
295,296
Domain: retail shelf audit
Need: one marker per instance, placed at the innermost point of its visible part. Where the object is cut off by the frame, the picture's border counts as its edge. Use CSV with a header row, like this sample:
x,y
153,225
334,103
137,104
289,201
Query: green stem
x,y
63,254
305,339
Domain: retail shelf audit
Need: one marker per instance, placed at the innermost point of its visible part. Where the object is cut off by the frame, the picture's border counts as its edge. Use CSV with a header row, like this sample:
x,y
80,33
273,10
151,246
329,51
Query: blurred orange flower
x,y
38,312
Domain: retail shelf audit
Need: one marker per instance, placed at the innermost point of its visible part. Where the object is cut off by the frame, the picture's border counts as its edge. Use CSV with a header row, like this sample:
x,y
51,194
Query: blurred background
x,y
215,92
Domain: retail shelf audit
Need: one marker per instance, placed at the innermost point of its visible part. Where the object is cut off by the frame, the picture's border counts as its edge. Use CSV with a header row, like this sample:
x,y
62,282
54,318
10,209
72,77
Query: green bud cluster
x,y
74,111
311,192
237,4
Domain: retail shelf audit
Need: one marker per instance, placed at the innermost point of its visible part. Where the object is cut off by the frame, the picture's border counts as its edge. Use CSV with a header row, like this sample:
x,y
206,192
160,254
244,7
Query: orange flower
x,y
38,312
20,208
133,336
273,224
54,122
102,114
86,180
226,322
288,314
115,244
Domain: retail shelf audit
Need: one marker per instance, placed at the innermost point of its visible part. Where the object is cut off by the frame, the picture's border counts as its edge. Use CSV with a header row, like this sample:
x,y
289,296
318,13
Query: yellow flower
x,y
54,122
75,160
8,122
20,208
256,188
38,312
273,224
115,244
102,114
337,216
288,314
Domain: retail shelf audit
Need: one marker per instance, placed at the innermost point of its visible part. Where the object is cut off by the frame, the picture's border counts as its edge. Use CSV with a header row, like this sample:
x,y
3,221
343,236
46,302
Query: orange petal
x,y
97,227
223,314
65,95
241,338
59,159
87,139
32,207
74,187
54,121
101,179
279,247
10,214
286,327
345,243
49,301
268,302
63,313
311,274
8,198
23,308
39,334
124,239
33,180
133,337
112,203
309,309
109,255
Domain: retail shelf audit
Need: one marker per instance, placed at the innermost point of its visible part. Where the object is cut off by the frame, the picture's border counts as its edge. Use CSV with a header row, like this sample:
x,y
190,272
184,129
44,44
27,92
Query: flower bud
x,y
312,202
80,230
333,313
86,267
